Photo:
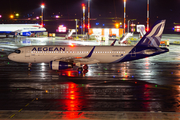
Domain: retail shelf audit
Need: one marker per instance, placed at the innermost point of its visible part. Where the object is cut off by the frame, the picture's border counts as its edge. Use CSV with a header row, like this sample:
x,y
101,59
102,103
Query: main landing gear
x,y
83,69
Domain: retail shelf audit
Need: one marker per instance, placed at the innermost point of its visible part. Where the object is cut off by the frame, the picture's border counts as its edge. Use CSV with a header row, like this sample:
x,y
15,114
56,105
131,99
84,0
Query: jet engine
x,y
60,65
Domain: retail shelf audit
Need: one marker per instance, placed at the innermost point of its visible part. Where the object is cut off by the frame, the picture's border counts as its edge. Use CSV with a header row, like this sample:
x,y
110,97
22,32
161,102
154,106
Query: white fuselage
x,y
7,28
100,54
62,57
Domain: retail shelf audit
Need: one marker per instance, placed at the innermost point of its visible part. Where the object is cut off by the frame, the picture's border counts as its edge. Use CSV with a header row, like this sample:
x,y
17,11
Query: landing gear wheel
x,y
85,67
85,71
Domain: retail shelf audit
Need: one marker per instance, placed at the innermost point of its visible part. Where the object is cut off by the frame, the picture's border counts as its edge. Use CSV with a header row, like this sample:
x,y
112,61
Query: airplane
x,y
21,29
64,57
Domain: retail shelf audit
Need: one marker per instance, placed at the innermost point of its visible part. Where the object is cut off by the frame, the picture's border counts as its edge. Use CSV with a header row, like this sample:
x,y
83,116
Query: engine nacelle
x,y
60,65
25,33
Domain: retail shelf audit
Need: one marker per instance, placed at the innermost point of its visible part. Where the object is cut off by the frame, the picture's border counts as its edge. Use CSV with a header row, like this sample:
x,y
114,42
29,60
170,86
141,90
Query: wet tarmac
x,y
150,85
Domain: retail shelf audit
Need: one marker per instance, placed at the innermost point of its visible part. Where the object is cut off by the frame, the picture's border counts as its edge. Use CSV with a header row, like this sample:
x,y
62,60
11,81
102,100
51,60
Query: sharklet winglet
x,y
90,54
112,44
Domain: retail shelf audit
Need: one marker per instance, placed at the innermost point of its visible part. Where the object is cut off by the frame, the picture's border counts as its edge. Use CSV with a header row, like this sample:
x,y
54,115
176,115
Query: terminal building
x,y
105,33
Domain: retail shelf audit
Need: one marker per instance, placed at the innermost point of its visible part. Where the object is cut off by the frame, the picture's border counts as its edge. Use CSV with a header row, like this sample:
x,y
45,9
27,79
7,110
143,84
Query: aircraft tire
x,y
85,67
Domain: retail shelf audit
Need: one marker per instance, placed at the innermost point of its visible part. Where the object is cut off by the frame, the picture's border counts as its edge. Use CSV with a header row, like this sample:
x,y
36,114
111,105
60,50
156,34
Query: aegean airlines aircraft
x,y
64,57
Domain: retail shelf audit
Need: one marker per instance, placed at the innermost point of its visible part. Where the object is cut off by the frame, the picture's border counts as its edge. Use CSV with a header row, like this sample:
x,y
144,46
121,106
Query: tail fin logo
x,y
153,38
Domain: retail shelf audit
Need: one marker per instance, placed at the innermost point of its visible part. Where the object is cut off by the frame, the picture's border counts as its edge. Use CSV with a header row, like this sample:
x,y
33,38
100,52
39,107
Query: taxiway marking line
x,y
21,109
27,105
12,116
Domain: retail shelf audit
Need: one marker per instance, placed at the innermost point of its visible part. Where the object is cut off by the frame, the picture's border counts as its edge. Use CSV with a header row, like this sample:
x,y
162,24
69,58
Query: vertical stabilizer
x,y
153,37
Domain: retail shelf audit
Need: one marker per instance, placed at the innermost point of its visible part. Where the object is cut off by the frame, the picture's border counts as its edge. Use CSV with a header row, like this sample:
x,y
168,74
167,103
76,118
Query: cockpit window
x,y
17,51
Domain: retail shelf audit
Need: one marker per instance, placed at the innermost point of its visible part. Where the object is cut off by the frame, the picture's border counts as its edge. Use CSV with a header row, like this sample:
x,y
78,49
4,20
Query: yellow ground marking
x,y
12,116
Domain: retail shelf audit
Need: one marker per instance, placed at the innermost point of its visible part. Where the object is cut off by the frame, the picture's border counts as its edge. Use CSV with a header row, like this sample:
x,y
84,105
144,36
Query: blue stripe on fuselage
x,y
140,53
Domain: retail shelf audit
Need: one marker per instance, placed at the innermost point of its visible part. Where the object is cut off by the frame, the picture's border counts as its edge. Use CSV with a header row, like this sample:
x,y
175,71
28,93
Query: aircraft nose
x,y
11,56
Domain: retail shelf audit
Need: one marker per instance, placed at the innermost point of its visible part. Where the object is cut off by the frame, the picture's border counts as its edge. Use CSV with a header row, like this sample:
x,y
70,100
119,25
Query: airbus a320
x,y
64,57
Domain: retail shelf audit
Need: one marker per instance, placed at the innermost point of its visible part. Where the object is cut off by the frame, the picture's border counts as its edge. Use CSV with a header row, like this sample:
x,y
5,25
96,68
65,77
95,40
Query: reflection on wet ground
x,y
150,84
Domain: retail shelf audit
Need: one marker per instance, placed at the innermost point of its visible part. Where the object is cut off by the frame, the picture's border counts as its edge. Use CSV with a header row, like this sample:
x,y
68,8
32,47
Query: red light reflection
x,y
71,115
69,73
74,101
147,63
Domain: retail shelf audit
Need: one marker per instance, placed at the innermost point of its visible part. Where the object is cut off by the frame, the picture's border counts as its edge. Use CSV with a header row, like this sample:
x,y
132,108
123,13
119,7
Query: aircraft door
x,y
27,53
133,52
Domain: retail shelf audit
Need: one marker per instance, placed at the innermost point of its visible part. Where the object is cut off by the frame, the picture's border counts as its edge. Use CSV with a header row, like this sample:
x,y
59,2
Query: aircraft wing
x,y
82,60
86,61
18,31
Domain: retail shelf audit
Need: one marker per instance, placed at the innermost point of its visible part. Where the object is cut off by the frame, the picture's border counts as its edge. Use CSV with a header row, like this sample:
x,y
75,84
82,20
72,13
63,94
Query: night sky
x,y
136,9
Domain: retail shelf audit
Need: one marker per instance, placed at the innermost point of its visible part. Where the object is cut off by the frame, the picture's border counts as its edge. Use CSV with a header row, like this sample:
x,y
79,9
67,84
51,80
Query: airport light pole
x,y
83,26
88,17
42,7
88,14
76,26
128,25
124,16
147,15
